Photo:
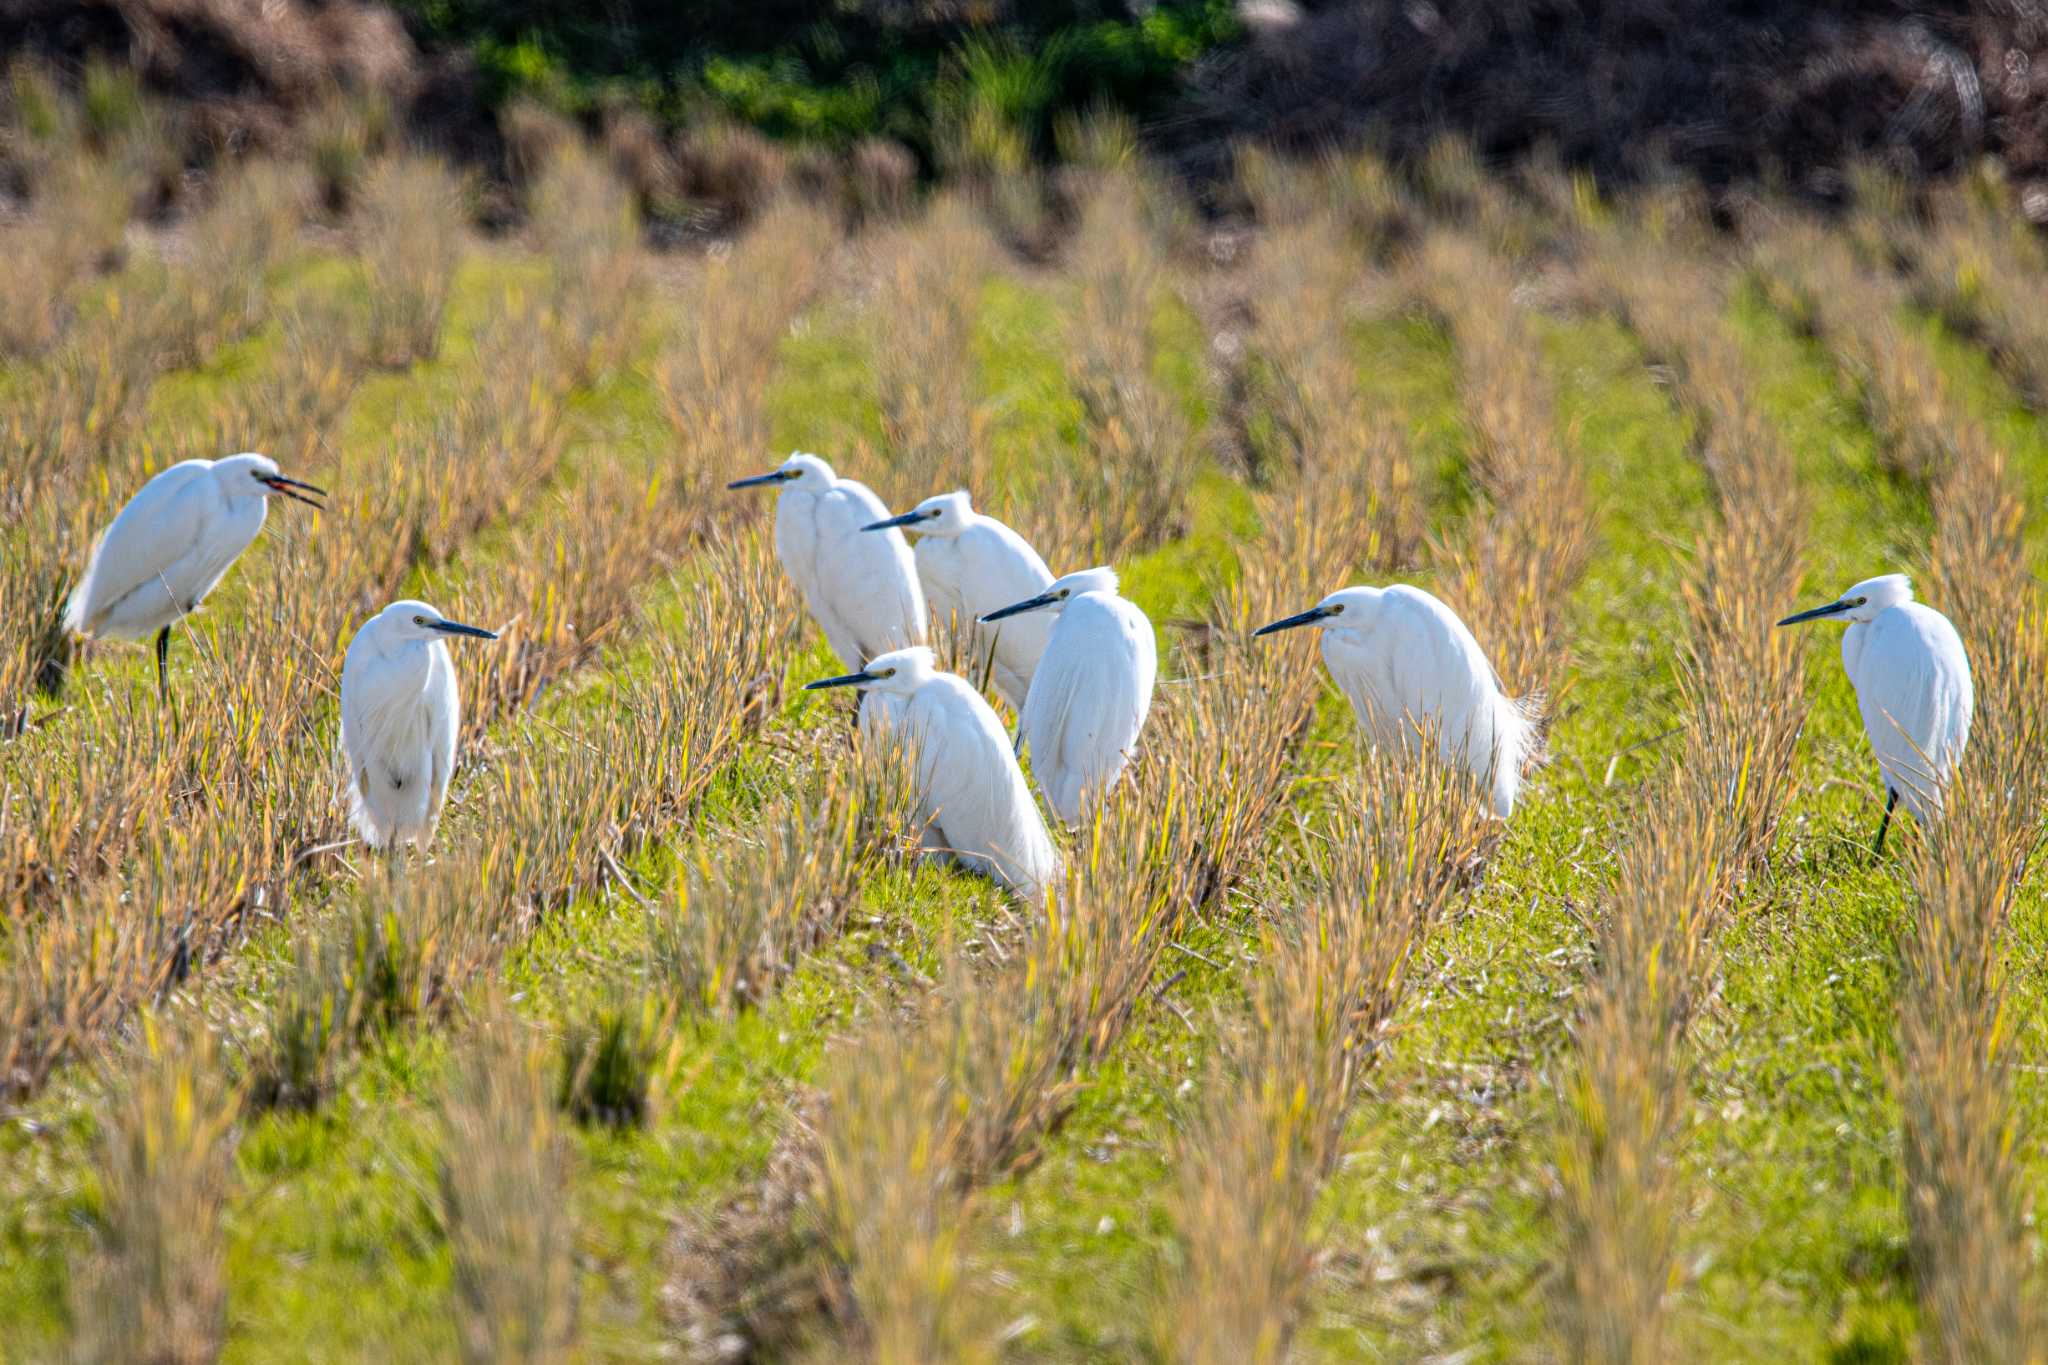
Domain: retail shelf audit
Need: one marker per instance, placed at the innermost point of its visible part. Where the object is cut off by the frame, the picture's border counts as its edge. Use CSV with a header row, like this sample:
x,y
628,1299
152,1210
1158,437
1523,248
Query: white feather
x,y
1090,694
970,564
400,715
1409,666
968,783
861,589
169,546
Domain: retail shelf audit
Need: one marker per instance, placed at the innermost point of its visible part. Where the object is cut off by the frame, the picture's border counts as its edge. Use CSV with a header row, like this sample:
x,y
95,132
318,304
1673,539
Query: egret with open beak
x,y
171,544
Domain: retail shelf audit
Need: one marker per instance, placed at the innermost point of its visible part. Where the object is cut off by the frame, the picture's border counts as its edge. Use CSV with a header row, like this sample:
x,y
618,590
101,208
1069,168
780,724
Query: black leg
x,y
1886,823
163,651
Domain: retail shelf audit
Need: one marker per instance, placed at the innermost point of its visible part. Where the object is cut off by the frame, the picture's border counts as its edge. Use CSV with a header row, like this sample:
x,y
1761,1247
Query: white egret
x,y
171,544
400,714
1409,666
969,564
968,783
1913,687
861,589
1091,691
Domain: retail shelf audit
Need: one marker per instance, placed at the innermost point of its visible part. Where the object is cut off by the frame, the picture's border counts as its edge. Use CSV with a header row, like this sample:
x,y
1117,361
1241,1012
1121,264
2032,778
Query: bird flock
x,y
1072,656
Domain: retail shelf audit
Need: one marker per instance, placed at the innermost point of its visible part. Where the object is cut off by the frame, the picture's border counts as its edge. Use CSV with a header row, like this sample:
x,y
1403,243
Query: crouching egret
x,y
862,590
1091,691
1408,665
400,714
171,544
968,783
1913,687
969,564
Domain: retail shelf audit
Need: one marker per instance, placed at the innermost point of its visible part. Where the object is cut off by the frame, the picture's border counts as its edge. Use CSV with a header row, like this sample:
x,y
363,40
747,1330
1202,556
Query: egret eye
x,y
419,620
890,674
1336,609
1861,600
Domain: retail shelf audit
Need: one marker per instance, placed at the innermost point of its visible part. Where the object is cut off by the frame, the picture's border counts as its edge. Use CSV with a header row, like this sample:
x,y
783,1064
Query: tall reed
x,y
1702,827
921,345
155,1286
1137,451
504,1173
411,229
1336,955
914,1124
1511,573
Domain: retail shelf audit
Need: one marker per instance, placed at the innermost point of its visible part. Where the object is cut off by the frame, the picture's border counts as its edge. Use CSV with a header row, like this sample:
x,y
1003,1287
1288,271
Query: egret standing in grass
x,y
968,783
400,714
1091,692
861,589
171,544
968,564
1913,687
1409,667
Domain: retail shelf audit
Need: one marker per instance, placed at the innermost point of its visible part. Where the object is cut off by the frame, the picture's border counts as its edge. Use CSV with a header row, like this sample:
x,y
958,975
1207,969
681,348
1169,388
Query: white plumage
x,y
969,564
861,589
1409,667
1091,692
968,783
400,715
1913,687
171,544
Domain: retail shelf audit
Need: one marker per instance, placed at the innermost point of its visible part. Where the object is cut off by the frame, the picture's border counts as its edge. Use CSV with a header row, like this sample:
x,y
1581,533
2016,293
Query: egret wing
x,y
444,723
161,524
867,580
1071,715
975,790
1915,702
938,574
998,567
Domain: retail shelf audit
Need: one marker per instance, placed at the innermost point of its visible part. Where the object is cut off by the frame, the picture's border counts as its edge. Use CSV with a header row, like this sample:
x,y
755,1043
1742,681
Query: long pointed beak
x,y
843,680
907,519
457,628
1044,599
772,476
1831,609
1301,618
279,484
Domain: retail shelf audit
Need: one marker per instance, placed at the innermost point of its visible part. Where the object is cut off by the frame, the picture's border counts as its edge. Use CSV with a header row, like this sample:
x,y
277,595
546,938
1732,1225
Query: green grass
x,y
1438,1222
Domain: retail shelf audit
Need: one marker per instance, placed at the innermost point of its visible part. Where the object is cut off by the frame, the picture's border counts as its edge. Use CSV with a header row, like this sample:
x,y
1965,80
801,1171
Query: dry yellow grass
x,y
1704,824
1140,454
1335,957
411,229
180,861
1965,1202
504,1200
1510,574
155,1287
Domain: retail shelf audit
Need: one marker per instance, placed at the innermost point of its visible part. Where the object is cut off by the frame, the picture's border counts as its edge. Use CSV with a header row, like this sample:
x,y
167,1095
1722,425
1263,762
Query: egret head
x,y
410,620
799,471
942,514
900,672
1101,579
250,475
1344,606
1862,602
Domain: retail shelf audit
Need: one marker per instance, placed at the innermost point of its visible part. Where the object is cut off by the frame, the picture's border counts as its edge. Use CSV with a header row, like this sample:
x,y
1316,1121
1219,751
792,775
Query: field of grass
x,y
673,1049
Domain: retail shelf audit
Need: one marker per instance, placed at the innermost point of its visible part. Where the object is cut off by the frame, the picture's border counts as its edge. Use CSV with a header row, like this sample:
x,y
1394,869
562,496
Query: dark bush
x,y
1725,89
